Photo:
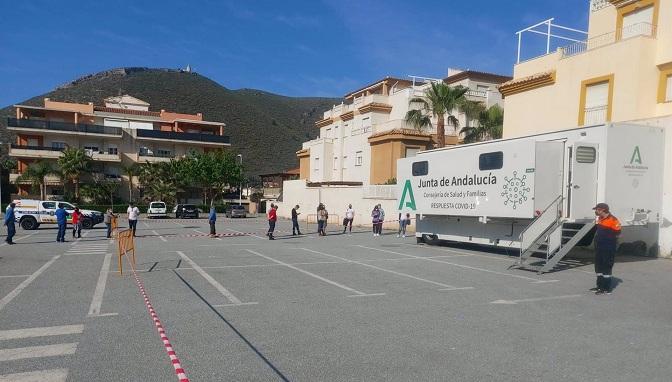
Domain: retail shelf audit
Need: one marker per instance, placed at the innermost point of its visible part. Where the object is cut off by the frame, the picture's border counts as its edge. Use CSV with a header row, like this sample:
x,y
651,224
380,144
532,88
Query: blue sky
x,y
295,48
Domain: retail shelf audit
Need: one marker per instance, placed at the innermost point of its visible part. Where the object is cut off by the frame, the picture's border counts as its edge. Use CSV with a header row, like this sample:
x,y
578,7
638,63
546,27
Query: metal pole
x,y
240,189
2,169
519,40
548,38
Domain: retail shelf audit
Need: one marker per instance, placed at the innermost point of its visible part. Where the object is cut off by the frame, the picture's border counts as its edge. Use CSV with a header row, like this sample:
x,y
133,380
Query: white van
x,y
30,214
157,210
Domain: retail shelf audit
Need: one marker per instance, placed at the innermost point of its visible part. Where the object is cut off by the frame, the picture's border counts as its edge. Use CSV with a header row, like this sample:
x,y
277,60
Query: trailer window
x,y
420,168
491,161
585,154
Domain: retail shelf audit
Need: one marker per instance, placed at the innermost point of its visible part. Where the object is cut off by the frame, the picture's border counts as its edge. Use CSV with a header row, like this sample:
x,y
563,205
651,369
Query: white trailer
x,y
535,194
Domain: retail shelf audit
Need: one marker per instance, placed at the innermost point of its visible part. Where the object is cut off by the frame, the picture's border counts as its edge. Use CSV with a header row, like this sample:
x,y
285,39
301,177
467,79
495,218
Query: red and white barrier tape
x,y
179,371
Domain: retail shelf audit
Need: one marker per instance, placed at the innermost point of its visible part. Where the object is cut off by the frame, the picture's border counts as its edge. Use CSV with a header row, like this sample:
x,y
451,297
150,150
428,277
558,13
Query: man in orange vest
x,y
606,240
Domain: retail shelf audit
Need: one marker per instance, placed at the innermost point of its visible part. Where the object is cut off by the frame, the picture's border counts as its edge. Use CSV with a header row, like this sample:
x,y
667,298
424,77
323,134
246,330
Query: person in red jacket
x,y
76,223
272,218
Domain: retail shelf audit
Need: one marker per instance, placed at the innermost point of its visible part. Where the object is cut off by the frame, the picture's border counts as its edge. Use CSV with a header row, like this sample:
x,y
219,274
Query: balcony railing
x,y
38,148
176,136
595,115
63,126
639,29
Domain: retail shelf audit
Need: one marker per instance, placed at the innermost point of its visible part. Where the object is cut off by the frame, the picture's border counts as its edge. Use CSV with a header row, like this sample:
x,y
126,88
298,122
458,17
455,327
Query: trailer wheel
x,y
29,223
430,239
87,223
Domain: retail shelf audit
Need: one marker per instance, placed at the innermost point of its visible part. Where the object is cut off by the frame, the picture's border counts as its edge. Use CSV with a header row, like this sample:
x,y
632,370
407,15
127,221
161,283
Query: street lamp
x,y
240,189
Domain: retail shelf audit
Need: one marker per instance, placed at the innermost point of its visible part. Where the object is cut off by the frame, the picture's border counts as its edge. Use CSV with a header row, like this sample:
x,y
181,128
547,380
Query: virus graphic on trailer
x,y
515,190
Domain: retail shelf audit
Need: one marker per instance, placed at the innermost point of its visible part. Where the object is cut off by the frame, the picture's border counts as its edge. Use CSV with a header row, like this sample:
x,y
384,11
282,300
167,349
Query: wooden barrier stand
x,y
114,226
126,246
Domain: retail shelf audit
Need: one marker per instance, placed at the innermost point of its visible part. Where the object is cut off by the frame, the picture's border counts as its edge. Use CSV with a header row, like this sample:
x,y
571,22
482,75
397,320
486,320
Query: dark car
x,y
235,211
186,211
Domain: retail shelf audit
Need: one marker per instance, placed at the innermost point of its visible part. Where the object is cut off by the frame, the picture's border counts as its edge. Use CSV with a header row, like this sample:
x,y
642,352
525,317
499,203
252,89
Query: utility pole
x,y
240,188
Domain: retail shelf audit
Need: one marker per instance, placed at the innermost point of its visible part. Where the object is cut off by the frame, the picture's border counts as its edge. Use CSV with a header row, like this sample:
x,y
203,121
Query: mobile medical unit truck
x,y
535,194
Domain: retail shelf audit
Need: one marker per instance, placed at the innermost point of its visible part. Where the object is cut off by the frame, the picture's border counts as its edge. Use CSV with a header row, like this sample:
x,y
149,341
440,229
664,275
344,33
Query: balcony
x,y
158,135
62,127
635,30
148,156
38,152
49,180
104,157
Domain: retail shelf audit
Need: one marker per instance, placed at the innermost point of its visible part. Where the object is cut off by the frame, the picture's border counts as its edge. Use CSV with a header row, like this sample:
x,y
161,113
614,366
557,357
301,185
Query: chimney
x,y
454,71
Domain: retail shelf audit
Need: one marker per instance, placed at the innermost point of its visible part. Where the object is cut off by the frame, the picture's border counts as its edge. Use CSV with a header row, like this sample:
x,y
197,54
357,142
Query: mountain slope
x,y
267,129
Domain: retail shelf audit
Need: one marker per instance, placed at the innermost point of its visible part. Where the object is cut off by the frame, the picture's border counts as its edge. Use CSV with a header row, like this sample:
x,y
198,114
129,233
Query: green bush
x,y
118,208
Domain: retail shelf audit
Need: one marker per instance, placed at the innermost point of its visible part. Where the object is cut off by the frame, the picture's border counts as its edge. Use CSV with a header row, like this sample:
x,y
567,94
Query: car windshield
x,y
157,205
67,206
189,206
237,207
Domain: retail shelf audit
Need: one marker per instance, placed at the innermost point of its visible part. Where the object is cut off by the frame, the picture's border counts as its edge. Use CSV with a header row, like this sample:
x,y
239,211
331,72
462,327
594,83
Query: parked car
x,y
30,214
185,211
157,210
235,211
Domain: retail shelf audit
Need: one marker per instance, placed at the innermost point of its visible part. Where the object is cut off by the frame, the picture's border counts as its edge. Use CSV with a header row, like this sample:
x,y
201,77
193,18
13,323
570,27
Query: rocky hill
x,y
266,128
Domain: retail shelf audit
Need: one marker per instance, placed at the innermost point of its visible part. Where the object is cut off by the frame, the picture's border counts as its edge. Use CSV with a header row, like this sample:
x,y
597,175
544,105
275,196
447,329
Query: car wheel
x,y
87,223
29,223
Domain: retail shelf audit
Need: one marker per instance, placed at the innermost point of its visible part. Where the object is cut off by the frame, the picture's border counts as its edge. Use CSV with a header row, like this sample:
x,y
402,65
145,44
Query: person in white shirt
x,y
133,214
349,216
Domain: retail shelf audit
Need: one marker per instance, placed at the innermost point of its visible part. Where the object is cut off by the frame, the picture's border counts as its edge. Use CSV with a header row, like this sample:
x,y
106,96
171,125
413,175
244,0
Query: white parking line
x,y
37,351
13,276
40,332
442,285
163,239
9,297
97,301
52,375
459,265
514,302
326,280
225,292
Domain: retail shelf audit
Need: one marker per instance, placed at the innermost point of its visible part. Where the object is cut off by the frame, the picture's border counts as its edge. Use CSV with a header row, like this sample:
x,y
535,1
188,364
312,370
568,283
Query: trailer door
x,y
582,191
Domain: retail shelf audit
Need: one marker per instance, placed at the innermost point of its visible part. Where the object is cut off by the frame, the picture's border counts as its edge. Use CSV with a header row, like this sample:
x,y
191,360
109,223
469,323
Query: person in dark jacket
x,y
606,241
62,220
295,221
9,222
212,219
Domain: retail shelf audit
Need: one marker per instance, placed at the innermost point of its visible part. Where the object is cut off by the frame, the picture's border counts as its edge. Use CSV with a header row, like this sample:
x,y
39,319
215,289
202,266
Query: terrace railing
x,y
173,135
63,126
639,29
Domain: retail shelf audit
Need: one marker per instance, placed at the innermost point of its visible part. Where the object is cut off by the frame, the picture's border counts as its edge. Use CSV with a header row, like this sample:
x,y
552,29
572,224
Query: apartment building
x,y
120,132
619,70
361,139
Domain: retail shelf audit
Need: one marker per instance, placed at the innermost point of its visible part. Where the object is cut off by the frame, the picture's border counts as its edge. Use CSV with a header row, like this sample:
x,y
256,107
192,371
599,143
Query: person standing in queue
x,y
322,216
349,217
9,222
295,221
133,214
375,217
212,219
606,241
272,218
76,223
62,221
107,219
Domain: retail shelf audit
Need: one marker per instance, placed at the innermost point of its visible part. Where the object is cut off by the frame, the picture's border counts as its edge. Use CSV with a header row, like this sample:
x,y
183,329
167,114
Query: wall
x,y
67,106
336,200
556,106
304,167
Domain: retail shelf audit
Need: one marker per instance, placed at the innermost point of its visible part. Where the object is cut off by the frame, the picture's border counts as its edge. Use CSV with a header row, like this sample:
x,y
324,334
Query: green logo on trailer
x,y
408,191
636,156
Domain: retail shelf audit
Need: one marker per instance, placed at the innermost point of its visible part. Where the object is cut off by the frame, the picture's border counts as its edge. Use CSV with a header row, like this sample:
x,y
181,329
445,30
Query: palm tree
x,y
73,162
36,174
489,126
439,100
130,170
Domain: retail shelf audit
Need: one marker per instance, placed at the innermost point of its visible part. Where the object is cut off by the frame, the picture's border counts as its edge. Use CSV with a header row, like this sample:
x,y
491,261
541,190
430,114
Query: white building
x,y
361,139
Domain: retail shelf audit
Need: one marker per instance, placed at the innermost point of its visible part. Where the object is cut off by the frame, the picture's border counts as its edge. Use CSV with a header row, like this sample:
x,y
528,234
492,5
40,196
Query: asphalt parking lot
x,y
240,307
